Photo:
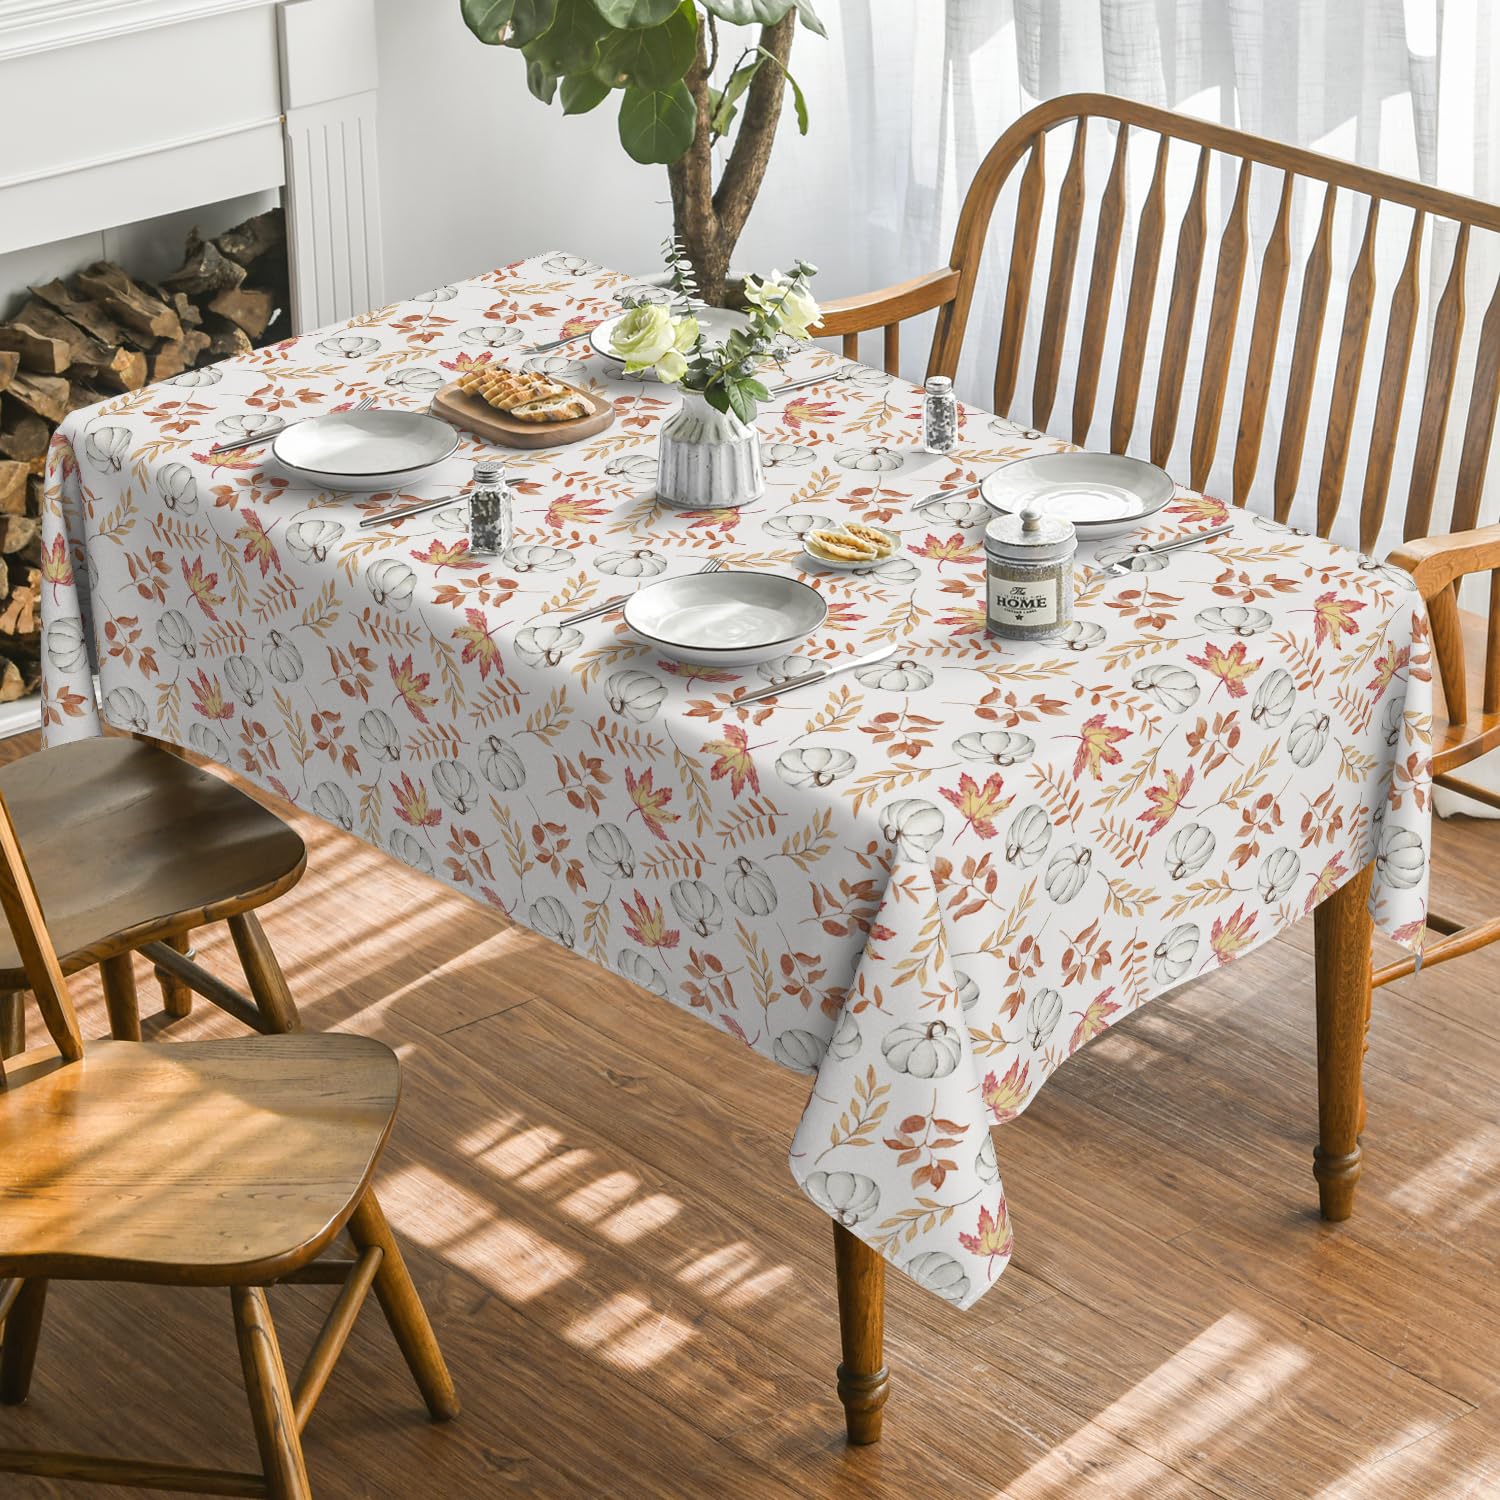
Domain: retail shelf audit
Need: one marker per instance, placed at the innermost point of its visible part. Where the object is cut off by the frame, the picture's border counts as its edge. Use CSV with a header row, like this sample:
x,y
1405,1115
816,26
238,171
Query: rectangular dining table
x,y
924,883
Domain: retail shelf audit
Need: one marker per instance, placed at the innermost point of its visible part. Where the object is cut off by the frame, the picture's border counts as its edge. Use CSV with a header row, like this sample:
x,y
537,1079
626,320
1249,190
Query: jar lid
x,y
1029,535
938,385
488,471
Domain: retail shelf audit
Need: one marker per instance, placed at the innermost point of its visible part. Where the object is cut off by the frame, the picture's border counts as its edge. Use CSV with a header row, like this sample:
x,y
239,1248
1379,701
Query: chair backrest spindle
x,y
1141,299
1179,326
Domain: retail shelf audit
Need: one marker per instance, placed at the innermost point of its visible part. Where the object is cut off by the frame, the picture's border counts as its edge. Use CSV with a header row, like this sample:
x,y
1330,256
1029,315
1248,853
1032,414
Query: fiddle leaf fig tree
x,y
661,57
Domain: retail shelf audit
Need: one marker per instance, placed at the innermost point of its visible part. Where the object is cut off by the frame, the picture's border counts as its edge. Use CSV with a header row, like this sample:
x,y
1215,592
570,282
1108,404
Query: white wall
x,y
475,172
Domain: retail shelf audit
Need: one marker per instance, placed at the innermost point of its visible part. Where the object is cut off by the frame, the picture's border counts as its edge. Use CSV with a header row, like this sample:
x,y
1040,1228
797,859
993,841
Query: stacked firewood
x,y
70,344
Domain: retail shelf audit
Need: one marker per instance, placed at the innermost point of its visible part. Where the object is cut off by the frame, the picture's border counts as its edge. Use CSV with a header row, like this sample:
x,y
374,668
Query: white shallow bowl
x,y
726,619
1102,494
364,450
717,324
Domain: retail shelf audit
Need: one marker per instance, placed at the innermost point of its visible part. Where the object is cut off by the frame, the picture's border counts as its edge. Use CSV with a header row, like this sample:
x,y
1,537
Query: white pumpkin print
x,y
915,826
348,346
799,1050
696,906
391,583
175,635
924,1049
410,850
126,709
1392,717
178,488
1189,850
1274,699
107,447
1173,955
437,294
897,572
940,1273
244,680
65,648
959,513
849,1198
209,375
1401,860
877,460
559,367
312,541
1027,837
639,468
283,660
548,916
547,645
750,887
640,970
456,785
1083,635
861,377
986,1168
1278,874
966,989
1306,739
501,765
787,668
785,455
245,424
377,733
816,766
532,557
331,803
1237,619
636,695
640,563
491,335
209,743
895,676
996,747
569,265
1043,1012
798,523
846,1040
1135,562
610,851
414,380
1174,688
1068,872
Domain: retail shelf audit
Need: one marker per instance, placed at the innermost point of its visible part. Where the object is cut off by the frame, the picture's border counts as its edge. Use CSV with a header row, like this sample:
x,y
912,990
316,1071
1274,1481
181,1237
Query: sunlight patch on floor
x,y
735,1274
627,1331
1459,1186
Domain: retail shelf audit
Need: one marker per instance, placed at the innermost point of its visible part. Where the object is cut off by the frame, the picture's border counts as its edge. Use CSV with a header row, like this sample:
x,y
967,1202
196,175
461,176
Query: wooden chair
x,y
133,849
232,1163
1467,646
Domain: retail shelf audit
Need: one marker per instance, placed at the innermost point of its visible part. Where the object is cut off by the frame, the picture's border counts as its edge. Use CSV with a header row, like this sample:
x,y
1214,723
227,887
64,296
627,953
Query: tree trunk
x,y
709,221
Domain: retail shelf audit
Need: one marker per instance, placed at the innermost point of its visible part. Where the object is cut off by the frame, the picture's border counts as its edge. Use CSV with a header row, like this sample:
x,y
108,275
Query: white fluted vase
x,y
707,459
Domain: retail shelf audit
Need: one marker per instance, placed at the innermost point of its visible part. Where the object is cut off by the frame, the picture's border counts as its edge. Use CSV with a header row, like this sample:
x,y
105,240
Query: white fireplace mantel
x,y
39,25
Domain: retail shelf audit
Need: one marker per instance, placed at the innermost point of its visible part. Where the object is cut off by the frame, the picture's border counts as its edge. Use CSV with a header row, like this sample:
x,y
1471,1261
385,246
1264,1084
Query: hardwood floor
x,y
636,1302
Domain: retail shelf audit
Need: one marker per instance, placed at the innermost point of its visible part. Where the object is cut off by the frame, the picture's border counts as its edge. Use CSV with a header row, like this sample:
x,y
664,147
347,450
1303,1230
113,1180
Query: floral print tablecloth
x,y
924,884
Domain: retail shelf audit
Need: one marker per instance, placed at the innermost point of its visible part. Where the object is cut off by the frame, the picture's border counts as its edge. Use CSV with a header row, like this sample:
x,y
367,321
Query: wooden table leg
x,y
1341,940
864,1381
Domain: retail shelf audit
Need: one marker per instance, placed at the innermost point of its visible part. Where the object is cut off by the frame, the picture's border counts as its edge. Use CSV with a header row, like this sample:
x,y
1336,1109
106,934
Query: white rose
x,y
797,310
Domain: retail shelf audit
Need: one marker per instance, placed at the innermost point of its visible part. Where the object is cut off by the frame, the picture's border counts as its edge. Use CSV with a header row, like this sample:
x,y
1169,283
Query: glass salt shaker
x,y
490,517
939,415
1028,575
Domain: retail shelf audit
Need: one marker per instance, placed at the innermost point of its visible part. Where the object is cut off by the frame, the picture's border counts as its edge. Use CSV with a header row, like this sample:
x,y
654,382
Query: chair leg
x,y
118,976
12,1022
263,974
23,1331
404,1311
271,1409
176,997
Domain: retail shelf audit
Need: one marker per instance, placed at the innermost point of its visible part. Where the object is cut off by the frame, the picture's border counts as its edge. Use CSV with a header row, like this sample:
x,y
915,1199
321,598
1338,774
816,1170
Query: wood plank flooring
x,y
636,1302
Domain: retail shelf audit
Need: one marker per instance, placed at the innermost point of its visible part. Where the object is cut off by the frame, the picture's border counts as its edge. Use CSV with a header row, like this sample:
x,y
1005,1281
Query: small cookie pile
x,y
854,542
523,394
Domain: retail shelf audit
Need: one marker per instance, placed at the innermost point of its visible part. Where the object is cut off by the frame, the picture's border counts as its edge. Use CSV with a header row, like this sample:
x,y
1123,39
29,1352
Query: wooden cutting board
x,y
477,416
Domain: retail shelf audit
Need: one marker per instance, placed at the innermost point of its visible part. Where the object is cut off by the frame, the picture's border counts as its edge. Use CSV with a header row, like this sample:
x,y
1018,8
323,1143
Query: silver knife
x,y
809,678
267,433
1156,549
555,344
796,385
390,517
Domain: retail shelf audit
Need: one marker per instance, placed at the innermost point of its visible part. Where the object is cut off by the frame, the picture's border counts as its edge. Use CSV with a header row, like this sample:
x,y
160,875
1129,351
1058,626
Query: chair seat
x,y
129,844
200,1163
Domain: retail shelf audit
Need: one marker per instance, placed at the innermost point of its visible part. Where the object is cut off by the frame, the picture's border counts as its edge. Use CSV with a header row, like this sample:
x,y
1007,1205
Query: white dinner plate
x,y
1102,494
717,324
725,619
364,450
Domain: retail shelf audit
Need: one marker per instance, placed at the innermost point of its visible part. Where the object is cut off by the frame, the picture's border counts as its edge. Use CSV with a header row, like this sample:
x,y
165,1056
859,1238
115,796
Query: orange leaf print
x,y
807,409
1334,616
1330,878
478,644
1096,746
1005,1096
1230,936
573,510
1166,800
650,802
733,752
979,804
411,804
409,687
1094,1019
1388,667
955,548
1230,666
202,586
964,619
992,1237
259,548
210,695
56,568
647,925
450,554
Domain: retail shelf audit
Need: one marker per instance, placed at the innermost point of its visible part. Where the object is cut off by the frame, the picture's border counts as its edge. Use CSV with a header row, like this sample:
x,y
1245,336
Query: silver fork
x,y
620,600
1156,549
555,344
270,432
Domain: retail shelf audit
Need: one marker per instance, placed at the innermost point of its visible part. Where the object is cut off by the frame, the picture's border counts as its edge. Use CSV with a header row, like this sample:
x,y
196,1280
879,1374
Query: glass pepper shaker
x,y
939,415
490,510
1028,575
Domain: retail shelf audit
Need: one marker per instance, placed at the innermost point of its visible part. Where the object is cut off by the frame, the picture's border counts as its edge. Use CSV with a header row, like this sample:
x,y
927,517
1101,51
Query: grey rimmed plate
x,y
364,450
725,619
1102,494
